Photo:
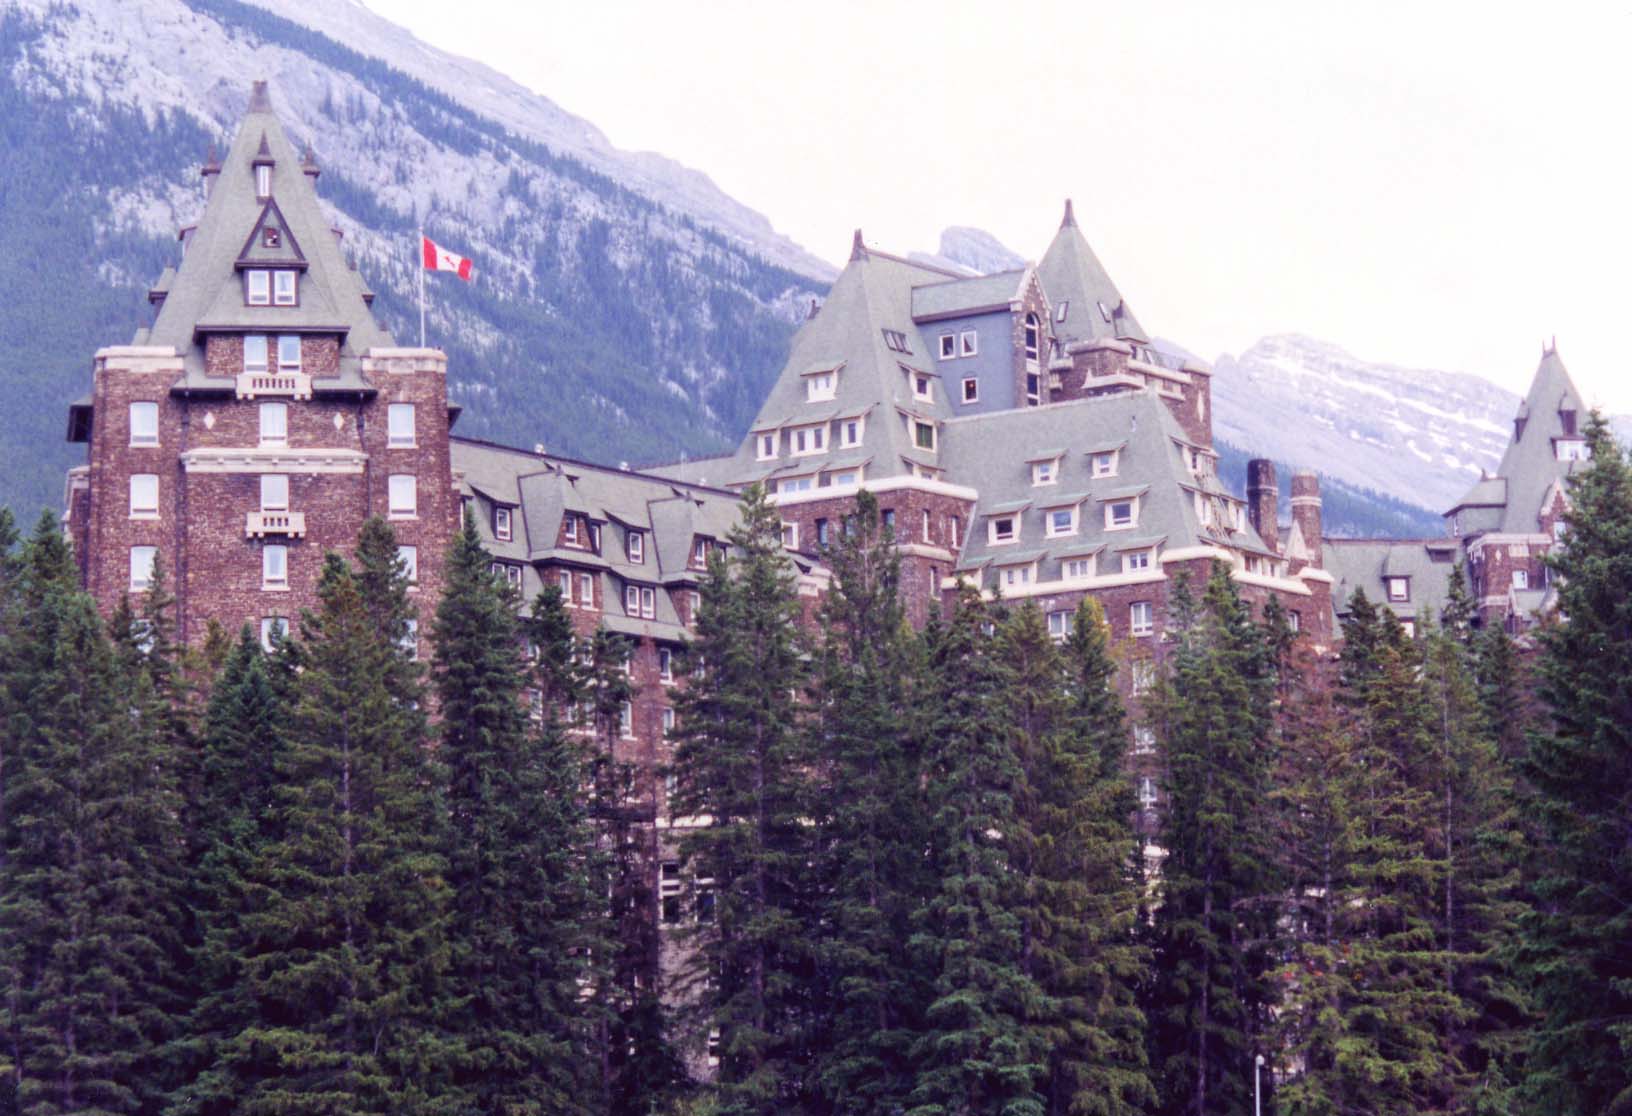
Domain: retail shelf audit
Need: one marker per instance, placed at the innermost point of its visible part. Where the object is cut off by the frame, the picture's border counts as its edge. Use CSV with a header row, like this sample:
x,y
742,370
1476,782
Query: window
x,y
648,603
626,719
968,343
564,580
850,432
511,574
694,601
1016,575
141,566
263,180
795,484
1061,310
921,388
821,532
288,352
274,629
1119,514
668,721
1147,793
1078,568
1410,628
144,496
1141,619
1572,451
1104,312
955,525
1034,389
631,600
408,558
1060,623
845,479
635,546
283,288
1399,588
1521,579
144,424
971,390
923,517
410,639
790,535
274,566
1294,620
665,664
1135,560
809,439
1002,529
887,519
400,421
255,352
699,552
404,496
502,529
1105,464
1144,740
274,492
1559,527
258,287
1033,333
586,590
274,424
271,237
923,435
1045,472
1061,521
821,387
569,529
767,446
1144,676
949,346
896,341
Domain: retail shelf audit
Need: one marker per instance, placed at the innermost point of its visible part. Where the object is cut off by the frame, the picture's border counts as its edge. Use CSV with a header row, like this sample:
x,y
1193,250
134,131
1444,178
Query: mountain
x,y
623,306
974,251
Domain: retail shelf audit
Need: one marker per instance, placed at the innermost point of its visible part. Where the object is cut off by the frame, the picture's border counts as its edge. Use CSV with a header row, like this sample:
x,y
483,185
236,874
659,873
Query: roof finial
x,y
259,99
1069,221
308,162
212,162
858,250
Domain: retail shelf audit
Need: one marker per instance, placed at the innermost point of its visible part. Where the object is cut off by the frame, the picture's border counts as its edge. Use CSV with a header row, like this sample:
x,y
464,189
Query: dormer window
x,y
1002,529
821,387
284,290
1571,449
1399,588
635,546
896,341
569,530
921,388
1060,522
809,439
258,287
766,446
699,552
923,435
1045,472
1121,514
502,529
850,433
1105,464
1061,310
263,180
1135,561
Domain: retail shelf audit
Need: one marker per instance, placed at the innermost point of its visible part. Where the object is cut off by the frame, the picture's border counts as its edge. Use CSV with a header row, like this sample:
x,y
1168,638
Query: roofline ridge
x,y
598,466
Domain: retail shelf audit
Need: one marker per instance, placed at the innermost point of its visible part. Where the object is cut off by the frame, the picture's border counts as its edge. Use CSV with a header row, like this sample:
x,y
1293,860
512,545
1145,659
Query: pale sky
x,y
1436,185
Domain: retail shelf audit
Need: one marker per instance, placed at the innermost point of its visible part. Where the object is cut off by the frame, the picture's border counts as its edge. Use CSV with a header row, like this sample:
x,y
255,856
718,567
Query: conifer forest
x,y
330,878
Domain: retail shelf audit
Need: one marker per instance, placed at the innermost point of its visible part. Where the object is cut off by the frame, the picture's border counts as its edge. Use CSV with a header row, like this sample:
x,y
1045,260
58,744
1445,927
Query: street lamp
x,y
1257,1089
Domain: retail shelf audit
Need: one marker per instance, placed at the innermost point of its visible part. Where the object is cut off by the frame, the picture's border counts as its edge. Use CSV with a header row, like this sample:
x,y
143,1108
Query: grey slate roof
x,y
1071,273
205,290
1530,465
993,452
1363,563
965,296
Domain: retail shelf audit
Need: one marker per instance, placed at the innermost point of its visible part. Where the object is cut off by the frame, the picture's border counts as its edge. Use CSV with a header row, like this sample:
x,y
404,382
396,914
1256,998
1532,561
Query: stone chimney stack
x,y
1306,513
1263,499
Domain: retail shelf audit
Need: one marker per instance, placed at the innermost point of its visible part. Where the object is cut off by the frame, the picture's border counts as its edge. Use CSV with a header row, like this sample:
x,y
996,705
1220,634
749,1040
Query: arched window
x,y
1032,335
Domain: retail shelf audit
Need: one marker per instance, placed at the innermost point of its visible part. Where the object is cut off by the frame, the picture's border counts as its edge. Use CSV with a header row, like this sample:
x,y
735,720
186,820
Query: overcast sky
x,y
1443,186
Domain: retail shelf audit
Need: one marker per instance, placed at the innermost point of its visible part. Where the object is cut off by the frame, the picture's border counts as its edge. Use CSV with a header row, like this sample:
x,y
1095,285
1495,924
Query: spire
x,y
259,99
1069,221
858,250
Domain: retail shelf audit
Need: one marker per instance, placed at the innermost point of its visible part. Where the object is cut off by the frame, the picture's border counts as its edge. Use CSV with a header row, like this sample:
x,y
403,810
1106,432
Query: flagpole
x,y
422,286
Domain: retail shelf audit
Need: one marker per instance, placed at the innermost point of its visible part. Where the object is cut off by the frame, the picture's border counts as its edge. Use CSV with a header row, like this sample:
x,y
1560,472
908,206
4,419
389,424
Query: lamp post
x,y
1257,1089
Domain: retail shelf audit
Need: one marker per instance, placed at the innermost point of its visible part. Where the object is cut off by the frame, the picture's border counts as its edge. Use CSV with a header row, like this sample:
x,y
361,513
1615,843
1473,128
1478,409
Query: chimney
x,y
1306,512
211,170
1263,499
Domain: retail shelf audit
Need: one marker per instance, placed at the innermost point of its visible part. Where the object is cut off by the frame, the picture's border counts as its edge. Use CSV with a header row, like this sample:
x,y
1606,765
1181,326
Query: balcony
x,y
259,524
285,385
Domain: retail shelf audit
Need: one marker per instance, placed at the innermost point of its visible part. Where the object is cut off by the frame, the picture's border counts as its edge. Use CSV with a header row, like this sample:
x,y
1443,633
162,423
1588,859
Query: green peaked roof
x,y
1073,275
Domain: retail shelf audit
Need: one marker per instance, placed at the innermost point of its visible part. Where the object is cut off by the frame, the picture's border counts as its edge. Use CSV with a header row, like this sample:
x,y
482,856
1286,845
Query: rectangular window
x,y
255,352
1147,793
501,524
887,520
635,547
955,526
631,600
665,664
283,287
141,567
790,535
699,552
1002,529
1061,310
923,522
564,579
626,719
821,532
569,529
968,343
1119,513
1144,676
274,424
404,496
1294,620
258,287
1034,389
1141,618
1060,623
274,492
400,424
1105,464
408,559
586,590
971,390
1399,588
1016,575
923,435
410,639
668,721
1061,521
288,352
795,484
850,432
949,346
274,629
648,604
263,180
1521,579
274,566
921,388
1076,568
767,446
822,387
1044,472
1135,560
144,424
1144,740
896,341
144,496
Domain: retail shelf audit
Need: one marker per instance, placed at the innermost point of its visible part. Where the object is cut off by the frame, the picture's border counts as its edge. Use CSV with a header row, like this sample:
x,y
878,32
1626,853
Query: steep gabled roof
x,y
1530,466
1072,274
205,291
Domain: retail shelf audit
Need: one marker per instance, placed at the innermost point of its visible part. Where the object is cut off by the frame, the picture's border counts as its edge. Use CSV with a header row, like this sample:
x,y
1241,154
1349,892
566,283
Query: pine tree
x,y
1577,940
1213,926
342,947
739,763
521,862
976,1052
871,826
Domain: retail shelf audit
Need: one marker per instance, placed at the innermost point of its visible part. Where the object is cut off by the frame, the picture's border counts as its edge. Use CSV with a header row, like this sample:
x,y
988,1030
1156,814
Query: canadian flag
x,y
438,258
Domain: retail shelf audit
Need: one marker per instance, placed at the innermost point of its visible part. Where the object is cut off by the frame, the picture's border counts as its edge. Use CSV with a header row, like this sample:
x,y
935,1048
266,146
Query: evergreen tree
x,y
521,862
342,947
1577,940
1213,925
976,1052
871,825
740,764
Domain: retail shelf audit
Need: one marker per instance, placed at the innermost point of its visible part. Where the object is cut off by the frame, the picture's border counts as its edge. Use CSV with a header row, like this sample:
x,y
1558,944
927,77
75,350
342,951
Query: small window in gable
x,y
1061,310
501,524
968,343
1003,529
1134,561
263,180
971,390
1105,464
896,341
271,237
1061,521
767,446
284,290
635,546
1045,472
921,388
850,432
1121,514
258,287
821,387
923,435
1399,588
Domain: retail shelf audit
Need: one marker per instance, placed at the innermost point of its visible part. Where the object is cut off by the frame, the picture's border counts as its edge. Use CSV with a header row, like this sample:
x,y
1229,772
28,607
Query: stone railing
x,y
259,524
295,385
